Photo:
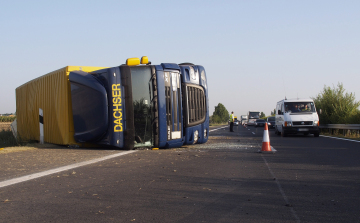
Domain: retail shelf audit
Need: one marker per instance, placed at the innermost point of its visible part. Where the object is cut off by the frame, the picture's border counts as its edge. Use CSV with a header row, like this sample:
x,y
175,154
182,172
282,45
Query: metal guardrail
x,y
352,130
341,126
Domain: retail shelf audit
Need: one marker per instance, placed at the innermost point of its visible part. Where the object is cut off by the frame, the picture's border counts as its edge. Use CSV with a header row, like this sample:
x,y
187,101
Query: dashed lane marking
x,y
217,129
282,191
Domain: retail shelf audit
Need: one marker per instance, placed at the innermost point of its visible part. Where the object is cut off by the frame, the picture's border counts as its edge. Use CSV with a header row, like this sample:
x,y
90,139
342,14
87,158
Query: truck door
x,y
173,105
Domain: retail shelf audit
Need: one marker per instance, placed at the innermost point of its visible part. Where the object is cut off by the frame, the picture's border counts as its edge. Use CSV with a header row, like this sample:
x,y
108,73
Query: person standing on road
x,y
231,120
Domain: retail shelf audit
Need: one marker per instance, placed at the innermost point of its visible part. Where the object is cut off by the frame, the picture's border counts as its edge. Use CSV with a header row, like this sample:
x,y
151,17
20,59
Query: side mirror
x,y
279,112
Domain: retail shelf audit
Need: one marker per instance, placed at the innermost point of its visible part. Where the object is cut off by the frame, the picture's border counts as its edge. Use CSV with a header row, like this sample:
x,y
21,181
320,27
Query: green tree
x,y
272,113
262,115
355,118
337,106
215,119
220,114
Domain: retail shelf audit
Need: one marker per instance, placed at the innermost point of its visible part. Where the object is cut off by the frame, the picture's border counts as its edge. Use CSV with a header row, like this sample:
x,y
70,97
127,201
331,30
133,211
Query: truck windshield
x,y
254,115
299,107
141,94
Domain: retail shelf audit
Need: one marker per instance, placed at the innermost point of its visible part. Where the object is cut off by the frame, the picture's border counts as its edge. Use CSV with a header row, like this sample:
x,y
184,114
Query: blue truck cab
x,y
195,101
133,105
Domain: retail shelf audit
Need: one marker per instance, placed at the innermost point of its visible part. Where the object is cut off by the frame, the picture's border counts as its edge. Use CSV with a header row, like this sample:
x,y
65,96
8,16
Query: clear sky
x,y
254,52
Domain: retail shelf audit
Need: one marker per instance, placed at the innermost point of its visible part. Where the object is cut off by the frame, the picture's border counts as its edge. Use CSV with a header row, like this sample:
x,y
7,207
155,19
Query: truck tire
x,y
283,134
316,134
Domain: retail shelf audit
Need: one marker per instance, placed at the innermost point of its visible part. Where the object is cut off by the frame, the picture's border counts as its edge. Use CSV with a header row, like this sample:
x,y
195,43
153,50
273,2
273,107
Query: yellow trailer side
x,y
51,93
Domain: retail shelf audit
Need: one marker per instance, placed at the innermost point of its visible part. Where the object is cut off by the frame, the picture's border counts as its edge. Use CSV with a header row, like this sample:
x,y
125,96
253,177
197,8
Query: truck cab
x,y
140,105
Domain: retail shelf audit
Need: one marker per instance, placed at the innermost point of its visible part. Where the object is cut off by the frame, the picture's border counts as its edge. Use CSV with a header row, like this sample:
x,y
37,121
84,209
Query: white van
x,y
296,116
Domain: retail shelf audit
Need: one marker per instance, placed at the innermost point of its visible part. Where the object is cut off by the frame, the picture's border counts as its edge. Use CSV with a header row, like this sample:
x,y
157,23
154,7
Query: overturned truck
x,y
132,105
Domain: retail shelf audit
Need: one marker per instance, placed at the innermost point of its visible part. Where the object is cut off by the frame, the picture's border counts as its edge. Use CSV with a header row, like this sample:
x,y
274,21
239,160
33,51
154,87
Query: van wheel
x,y
316,134
283,134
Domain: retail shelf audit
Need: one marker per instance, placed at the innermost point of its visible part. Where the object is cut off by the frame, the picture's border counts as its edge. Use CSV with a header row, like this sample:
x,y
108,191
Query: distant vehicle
x,y
252,116
271,122
236,121
296,116
244,119
260,122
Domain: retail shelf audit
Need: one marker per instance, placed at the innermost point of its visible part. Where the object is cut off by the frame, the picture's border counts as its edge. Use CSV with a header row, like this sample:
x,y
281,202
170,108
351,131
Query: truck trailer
x,y
244,119
252,116
128,106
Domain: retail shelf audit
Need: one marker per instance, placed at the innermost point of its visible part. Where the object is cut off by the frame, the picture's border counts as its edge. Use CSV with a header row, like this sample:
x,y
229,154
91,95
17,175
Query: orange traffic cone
x,y
266,141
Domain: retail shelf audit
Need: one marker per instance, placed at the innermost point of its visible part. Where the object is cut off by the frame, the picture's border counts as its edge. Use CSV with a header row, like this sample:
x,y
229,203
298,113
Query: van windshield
x,y
299,107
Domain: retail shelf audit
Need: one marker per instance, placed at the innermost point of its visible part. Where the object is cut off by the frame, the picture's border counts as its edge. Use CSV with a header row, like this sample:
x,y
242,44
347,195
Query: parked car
x,y
260,122
271,122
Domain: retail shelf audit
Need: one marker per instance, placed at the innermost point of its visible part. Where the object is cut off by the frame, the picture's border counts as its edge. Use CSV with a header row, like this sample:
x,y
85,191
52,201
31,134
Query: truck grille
x,y
196,105
168,106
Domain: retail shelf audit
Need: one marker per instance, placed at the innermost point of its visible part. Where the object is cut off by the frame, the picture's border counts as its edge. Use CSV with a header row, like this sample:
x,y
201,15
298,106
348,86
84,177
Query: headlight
x,y
196,136
288,124
316,123
269,123
205,133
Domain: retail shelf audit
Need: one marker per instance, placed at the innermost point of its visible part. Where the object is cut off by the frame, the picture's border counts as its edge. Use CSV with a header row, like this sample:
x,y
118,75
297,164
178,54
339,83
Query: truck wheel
x,y
283,134
316,134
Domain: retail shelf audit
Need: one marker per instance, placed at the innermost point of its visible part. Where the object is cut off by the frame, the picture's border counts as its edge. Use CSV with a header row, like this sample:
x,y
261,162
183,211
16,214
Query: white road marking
x,y
60,169
340,138
217,129
282,191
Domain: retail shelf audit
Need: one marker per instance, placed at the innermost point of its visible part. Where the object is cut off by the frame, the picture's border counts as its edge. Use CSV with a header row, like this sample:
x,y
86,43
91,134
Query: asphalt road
x,y
308,179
